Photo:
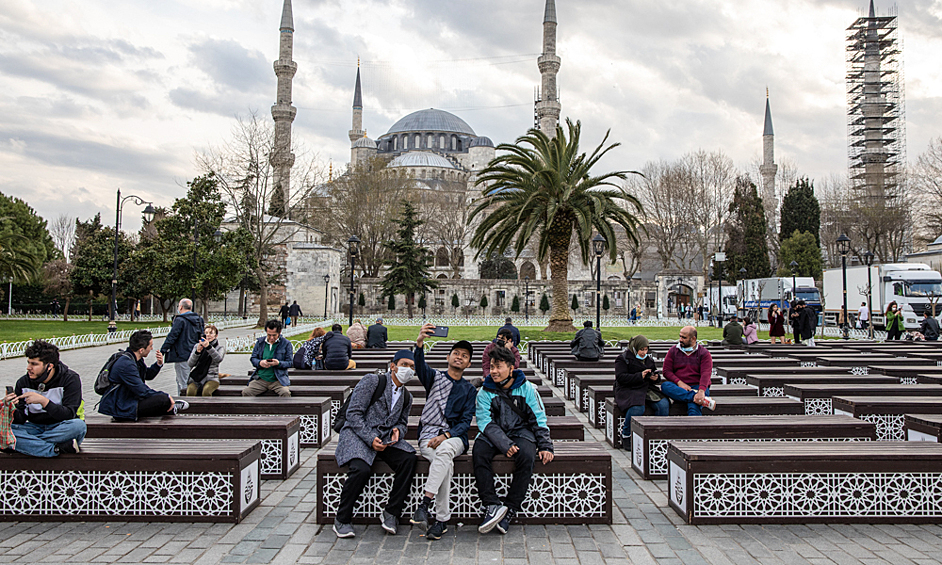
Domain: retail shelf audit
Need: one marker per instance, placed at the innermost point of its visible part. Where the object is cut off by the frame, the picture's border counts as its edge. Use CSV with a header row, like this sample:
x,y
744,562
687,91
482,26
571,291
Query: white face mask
x,y
404,374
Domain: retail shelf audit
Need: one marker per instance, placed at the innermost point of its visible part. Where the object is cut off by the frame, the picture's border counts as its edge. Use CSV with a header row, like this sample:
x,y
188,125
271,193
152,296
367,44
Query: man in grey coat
x,y
377,431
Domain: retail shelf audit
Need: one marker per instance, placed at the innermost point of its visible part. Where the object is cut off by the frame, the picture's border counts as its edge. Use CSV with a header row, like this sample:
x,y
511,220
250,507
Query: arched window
x,y
441,142
418,141
431,141
459,145
528,270
454,143
395,143
441,257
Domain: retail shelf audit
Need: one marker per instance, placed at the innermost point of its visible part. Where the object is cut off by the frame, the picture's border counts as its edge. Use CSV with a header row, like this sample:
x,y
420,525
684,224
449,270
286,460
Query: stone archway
x,y
527,270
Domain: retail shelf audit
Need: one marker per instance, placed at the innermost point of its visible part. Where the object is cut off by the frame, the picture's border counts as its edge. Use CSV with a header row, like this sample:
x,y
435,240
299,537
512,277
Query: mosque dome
x,y
482,142
365,142
421,159
431,120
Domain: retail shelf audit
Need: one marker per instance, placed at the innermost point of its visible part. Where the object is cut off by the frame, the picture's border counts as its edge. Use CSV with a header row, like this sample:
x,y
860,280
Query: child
x,y
511,420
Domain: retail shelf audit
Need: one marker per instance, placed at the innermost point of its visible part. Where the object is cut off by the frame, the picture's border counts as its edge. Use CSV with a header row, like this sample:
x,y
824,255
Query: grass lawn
x,y
22,330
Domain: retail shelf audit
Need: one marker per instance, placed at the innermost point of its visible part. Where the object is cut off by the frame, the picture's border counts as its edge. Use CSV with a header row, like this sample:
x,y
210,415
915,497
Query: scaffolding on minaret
x,y
876,124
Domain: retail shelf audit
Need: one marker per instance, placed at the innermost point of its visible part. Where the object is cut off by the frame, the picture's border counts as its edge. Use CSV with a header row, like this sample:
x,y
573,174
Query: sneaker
x,y
709,403
504,524
437,530
71,446
343,530
626,443
389,523
180,406
494,513
420,517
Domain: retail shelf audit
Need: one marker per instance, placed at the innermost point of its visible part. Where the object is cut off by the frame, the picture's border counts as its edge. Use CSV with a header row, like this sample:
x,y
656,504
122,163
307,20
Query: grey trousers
x,y
183,376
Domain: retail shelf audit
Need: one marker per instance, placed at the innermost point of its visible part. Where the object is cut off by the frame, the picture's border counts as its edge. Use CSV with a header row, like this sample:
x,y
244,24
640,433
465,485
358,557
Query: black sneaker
x,y
626,443
420,517
70,446
493,514
437,530
180,406
504,524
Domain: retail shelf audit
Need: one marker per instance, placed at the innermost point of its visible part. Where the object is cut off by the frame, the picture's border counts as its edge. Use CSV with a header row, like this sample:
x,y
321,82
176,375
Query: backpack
x,y
341,417
102,384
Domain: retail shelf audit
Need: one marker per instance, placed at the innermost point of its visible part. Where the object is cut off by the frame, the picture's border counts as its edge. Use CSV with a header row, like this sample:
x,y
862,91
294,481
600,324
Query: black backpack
x,y
102,383
341,417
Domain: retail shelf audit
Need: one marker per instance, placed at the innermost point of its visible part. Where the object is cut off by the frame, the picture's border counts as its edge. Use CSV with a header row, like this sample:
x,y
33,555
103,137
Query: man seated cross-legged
x,y
272,356
688,368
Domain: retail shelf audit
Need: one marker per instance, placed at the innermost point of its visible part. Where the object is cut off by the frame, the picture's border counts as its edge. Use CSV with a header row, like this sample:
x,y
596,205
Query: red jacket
x,y
695,369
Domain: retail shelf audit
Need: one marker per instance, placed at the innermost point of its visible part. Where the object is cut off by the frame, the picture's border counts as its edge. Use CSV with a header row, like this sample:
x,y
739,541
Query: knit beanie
x,y
638,343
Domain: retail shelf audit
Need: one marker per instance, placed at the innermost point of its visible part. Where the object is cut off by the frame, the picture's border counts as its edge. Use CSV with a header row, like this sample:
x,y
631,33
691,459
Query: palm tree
x,y
18,263
542,187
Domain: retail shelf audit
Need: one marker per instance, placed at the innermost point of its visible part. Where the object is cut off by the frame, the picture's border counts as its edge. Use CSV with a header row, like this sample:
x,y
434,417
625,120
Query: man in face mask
x,y
377,430
688,368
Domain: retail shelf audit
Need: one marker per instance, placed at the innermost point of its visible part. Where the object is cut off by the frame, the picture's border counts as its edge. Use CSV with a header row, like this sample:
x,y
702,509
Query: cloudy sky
x,y
99,94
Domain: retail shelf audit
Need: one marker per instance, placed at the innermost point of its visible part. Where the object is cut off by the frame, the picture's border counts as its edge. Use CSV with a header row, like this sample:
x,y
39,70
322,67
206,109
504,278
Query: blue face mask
x,y
686,349
641,357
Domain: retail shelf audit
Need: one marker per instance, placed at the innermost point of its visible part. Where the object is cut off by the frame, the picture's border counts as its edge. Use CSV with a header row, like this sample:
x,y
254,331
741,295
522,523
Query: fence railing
x,y
520,321
18,348
83,317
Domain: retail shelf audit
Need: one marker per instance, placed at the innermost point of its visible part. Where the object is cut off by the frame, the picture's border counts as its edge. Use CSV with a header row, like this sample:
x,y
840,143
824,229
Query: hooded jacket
x,y
460,405
499,424
185,333
64,391
121,401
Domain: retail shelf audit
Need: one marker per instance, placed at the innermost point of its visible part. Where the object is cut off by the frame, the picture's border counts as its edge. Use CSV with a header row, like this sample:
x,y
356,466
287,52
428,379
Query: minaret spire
x,y
357,131
768,169
873,13
283,112
547,104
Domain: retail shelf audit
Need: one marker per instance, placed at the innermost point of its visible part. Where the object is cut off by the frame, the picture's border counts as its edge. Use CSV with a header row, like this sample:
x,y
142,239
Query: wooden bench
x,y
740,374
336,394
923,427
115,480
906,373
751,363
817,398
280,456
774,385
805,482
562,428
315,379
470,372
652,434
596,395
313,413
886,412
553,405
728,406
575,488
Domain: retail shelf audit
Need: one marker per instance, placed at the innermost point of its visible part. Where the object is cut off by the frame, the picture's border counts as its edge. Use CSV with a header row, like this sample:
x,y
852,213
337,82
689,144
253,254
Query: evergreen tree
x,y
497,266
515,305
422,303
483,301
605,303
391,305
801,212
802,249
92,259
575,303
544,304
455,303
746,246
361,301
408,272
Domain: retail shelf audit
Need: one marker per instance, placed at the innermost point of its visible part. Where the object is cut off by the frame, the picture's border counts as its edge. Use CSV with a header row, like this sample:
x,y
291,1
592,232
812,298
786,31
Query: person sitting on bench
x,y
636,385
688,368
49,418
204,363
338,350
377,431
131,399
511,421
272,357
588,344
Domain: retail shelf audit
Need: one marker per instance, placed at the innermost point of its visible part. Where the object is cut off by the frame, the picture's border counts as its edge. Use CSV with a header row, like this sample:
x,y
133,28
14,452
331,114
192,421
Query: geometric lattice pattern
x,y
334,408
115,493
738,381
819,407
908,380
889,426
808,364
325,431
775,391
560,379
585,400
550,496
860,371
817,495
271,457
309,430
591,412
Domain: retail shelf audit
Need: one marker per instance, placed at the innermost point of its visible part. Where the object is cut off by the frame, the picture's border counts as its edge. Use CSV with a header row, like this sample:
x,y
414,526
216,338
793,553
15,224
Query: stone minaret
x,y
357,131
768,168
547,105
282,159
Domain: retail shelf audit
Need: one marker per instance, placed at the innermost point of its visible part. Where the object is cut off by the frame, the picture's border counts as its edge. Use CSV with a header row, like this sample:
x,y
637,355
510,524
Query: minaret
x,y
282,159
357,131
547,105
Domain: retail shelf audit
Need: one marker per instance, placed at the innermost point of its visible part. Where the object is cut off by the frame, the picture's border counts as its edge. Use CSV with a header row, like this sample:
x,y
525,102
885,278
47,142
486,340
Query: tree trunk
x,y
65,311
263,297
560,320
90,305
409,299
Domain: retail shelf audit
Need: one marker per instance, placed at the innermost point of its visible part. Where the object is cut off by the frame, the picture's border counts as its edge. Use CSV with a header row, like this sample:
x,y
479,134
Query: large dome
x,y
431,120
421,159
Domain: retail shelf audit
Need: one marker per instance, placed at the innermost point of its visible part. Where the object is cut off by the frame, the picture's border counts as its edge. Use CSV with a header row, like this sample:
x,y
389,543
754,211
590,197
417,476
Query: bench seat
x,y
887,412
313,412
805,482
906,373
115,480
280,456
817,397
562,428
923,427
337,394
774,384
652,434
594,397
739,374
346,378
575,488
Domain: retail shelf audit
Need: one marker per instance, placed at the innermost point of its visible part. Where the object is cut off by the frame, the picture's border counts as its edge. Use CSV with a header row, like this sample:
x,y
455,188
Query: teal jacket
x,y
499,424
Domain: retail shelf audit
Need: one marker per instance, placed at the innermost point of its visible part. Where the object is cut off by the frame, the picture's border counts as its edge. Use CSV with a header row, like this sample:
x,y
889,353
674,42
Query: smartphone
x,y
440,331
9,390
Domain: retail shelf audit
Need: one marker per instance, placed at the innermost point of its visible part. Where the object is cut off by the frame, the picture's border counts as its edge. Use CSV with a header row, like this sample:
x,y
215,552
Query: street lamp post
x,y
742,279
148,214
720,258
868,260
326,294
843,245
712,304
598,244
526,298
353,246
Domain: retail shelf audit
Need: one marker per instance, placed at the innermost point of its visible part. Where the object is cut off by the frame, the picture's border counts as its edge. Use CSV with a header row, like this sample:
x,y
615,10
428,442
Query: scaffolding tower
x,y
876,124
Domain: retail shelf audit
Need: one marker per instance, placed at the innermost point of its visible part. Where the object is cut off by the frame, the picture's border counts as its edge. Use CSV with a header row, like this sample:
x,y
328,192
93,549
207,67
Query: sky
x,y
99,95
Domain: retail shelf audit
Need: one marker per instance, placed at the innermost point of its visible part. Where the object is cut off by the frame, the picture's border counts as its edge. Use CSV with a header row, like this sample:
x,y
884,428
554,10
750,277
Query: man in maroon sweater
x,y
688,368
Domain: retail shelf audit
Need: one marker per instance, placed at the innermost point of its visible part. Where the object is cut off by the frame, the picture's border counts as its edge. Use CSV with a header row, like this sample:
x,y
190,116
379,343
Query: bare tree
x,y
663,194
446,212
709,180
62,231
926,184
242,166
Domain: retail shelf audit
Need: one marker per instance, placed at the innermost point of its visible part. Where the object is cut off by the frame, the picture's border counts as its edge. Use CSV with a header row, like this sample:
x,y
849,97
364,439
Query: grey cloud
x,y
231,65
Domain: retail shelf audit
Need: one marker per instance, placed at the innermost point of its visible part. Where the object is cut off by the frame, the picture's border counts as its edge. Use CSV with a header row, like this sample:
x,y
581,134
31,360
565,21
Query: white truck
x,y
712,304
758,294
915,287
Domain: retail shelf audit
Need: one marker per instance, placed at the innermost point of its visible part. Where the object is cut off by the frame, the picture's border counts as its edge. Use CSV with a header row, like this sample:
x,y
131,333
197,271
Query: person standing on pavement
x,y
376,335
294,312
272,356
186,332
894,322
863,316
284,313
807,323
443,429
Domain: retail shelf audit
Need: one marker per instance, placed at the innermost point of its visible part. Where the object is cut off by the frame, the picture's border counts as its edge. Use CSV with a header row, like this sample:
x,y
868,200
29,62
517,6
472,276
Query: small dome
x,y
365,142
431,120
421,159
482,142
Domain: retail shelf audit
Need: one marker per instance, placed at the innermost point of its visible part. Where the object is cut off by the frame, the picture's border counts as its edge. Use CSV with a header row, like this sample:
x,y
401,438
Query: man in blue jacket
x,y
443,428
186,332
272,357
130,398
511,421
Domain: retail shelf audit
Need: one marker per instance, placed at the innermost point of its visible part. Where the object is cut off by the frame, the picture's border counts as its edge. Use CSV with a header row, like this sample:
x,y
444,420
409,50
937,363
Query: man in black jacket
x,y
284,313
294,311
186,332
588,344
376,335
807,323
929,327
337,350
49,418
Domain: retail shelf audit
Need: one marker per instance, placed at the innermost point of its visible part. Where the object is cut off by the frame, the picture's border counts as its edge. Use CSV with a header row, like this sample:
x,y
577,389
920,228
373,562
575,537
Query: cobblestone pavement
x,y
282,529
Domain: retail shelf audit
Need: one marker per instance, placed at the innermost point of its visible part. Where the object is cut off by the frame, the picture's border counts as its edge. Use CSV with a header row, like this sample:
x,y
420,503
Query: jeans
x,y
482,454
182,370
441,469
40,440
661,408
673,391
403,467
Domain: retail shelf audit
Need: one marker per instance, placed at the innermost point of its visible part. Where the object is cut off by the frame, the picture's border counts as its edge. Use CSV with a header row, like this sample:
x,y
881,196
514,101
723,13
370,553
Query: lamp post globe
x,y
353,246
868,261
326,294
598,244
